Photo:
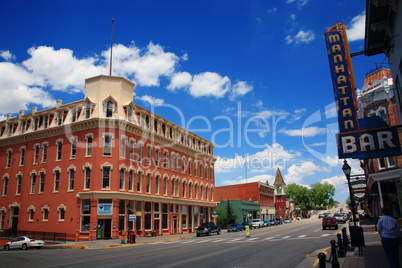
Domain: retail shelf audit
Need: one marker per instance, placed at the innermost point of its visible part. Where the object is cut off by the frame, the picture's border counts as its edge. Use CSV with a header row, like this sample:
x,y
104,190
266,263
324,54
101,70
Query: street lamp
x,y
347,170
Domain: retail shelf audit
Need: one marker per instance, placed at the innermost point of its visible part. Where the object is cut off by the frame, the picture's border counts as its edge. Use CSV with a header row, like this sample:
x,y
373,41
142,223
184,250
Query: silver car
x,y
341,217
24,242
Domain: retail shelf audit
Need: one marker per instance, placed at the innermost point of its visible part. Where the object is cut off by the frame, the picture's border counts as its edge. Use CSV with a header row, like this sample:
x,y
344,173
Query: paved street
x,y
276,246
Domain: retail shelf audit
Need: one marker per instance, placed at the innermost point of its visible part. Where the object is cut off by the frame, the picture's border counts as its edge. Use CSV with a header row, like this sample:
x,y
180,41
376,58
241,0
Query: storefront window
x,y
138,222
148,215
156,216
184,217
196,216
164,216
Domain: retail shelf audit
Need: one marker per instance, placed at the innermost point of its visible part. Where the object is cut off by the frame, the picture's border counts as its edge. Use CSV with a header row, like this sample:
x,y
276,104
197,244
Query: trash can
x,y
356,236
99,233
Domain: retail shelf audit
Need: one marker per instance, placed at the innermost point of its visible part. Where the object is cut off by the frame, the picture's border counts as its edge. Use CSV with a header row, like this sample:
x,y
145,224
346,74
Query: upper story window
x,y
88,110
165,159
19,181
5,185
106,177
59,145
123,146
33,182
73,147
89,138
129,113
22,157
149,154
23,126
107,147
46,123
87,182
56,180
71,173
42,182
139,152
109,108
157,157
36,153
44,153
9,155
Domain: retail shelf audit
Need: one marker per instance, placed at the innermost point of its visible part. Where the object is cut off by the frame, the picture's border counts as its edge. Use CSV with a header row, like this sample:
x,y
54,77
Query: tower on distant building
x,y
280,195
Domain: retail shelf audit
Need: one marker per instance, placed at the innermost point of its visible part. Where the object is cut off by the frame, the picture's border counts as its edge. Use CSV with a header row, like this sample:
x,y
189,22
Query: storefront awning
x,y
384,176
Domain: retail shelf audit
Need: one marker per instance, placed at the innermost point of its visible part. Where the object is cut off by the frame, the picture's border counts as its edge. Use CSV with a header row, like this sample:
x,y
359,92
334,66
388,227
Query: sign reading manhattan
x,y
352,141
342,78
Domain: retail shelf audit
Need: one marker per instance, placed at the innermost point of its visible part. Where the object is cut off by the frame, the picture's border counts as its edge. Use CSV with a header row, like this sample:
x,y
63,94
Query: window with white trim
x,y
19,181
9,155
87,182
41,182
107,147
157,178
131,153
106,177
139,181
89,137
122,178
148,183
130,180
36,153
59,144
22,156
5,185
33,182
56,173
71,175
165,182
45,145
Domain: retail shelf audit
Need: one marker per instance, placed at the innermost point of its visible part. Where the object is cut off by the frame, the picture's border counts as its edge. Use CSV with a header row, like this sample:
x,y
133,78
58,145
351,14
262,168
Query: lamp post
x,y
347,170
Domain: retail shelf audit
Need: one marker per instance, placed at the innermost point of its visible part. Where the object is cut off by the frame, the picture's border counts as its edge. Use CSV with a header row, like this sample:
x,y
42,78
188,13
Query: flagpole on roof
x,y
111,49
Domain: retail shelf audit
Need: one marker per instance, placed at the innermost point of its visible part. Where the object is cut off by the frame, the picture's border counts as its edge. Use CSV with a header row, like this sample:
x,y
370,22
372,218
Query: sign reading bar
x,y
370,143
342,77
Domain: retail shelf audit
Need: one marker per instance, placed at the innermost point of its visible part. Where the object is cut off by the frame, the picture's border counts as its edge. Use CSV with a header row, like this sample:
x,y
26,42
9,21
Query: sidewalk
x,y
112,243
373,253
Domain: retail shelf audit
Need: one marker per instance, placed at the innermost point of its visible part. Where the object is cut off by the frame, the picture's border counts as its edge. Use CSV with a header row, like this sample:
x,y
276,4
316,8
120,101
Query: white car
x,y
341,217
257,223
24,242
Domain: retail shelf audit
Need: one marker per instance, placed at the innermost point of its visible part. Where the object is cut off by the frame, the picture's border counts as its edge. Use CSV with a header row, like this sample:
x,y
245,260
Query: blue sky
x,y
251,76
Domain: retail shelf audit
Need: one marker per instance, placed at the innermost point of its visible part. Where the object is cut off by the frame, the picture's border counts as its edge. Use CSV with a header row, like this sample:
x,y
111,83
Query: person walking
x,y
389,231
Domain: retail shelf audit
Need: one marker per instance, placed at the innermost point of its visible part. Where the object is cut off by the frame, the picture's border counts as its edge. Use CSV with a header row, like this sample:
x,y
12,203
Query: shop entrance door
x,y
174,225
104,228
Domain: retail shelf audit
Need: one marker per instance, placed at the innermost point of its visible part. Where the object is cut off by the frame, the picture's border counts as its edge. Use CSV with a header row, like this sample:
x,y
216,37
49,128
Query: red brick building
x,y
280,196
83,167
377,98
259,192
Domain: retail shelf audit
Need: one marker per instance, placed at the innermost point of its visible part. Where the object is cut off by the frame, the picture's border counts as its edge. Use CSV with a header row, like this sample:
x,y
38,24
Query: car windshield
x,y
338,214
205,224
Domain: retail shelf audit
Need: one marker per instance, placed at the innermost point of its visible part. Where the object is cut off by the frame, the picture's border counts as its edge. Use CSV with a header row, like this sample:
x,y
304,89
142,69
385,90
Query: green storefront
x,y
243,210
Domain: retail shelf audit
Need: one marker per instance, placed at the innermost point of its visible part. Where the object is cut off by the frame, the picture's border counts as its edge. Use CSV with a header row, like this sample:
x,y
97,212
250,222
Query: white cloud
x,y
148,66
151,100
356,30
209,84
297,172
262,178
305,132
304,37
268,159
241,88
18,90
60,69
179,80
5,54
272,10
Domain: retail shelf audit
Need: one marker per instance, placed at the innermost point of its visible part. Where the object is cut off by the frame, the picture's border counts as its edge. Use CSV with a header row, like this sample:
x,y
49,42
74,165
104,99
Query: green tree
x,y
230,216
301,196
321,193
222,216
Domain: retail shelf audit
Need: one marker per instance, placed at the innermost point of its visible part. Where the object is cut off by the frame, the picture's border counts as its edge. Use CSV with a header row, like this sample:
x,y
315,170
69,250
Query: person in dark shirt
x,y
389,231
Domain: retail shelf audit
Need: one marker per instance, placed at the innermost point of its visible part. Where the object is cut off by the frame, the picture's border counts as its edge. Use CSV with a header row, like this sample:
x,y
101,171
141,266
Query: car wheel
x,y
336,227
324,228
219,231
6,247
24,246
198,235
209,232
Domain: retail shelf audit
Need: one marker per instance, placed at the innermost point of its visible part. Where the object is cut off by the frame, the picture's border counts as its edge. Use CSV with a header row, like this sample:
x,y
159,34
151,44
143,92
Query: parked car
x,y
328,222
257,223
287,220
279,221
235,228
267,223
321,215
246,223
341,217
24,242
273,222
208,228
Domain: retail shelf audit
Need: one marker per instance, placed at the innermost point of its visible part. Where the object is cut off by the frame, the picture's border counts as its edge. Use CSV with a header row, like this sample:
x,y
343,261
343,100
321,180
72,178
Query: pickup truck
x,y
208,228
